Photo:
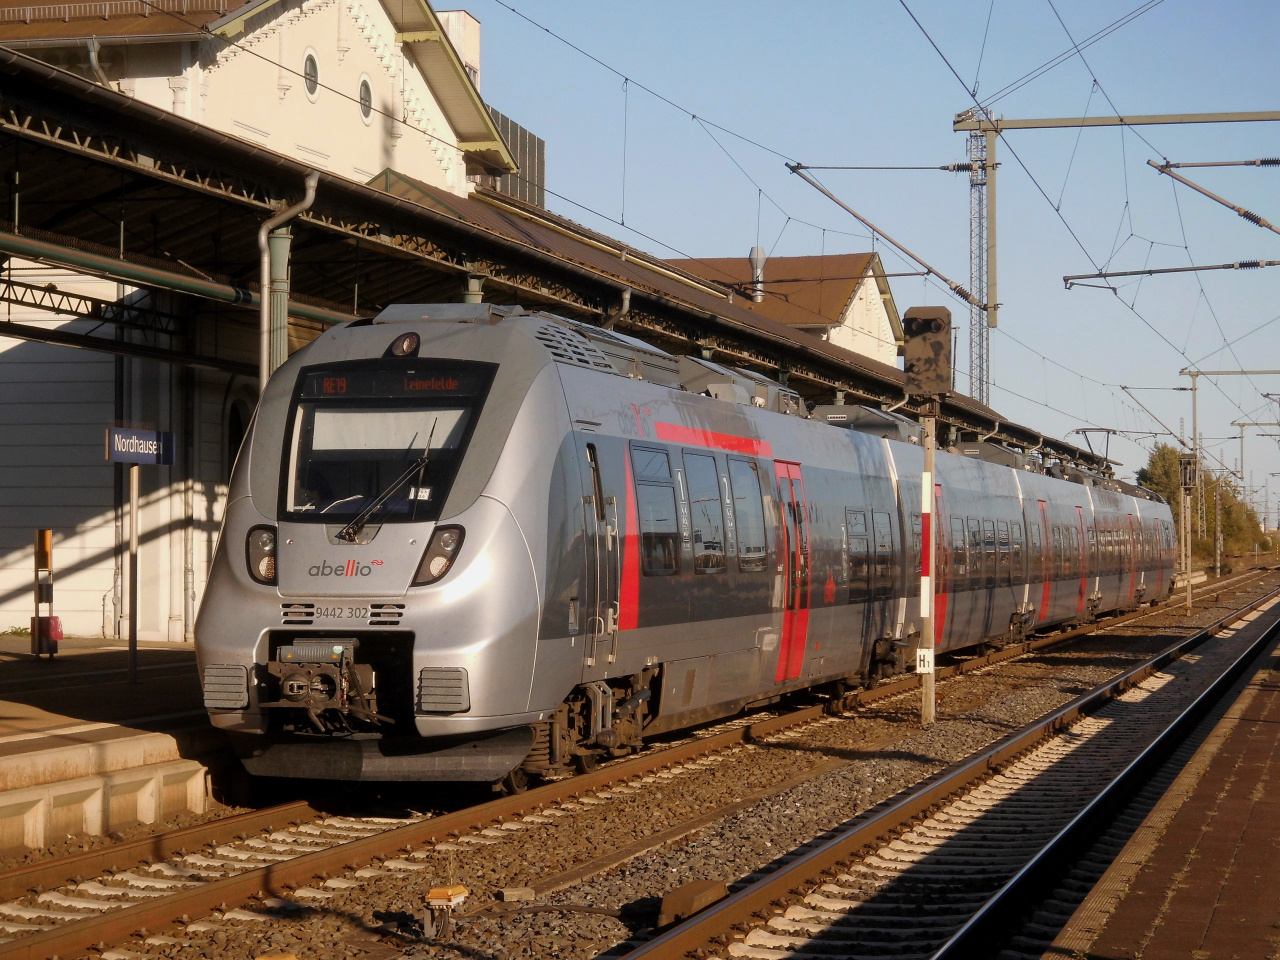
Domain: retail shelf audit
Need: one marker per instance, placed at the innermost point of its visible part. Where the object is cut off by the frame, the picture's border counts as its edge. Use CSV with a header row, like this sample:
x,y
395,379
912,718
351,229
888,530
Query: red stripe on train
x,y
629,589
674,433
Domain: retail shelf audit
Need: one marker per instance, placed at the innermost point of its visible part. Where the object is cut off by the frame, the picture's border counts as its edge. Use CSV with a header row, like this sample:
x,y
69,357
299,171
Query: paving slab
x,y
1201,877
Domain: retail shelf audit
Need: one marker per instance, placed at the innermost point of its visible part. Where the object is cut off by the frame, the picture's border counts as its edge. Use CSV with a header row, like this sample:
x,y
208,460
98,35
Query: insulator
x,y
1269,162
1248,264
1251,217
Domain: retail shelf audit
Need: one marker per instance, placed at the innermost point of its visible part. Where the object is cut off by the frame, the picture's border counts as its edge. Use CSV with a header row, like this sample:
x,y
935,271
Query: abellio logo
x,y
352,568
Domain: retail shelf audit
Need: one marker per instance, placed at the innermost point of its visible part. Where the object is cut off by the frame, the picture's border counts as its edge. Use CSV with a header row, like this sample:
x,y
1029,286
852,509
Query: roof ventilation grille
x,y
568,346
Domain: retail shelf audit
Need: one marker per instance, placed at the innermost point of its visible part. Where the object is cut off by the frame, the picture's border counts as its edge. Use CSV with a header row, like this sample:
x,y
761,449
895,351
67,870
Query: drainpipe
x,y
94,65
273,281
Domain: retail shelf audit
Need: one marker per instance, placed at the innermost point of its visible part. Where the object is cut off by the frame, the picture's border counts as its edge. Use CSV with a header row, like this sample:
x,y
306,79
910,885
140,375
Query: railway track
x,y
944,871
281,859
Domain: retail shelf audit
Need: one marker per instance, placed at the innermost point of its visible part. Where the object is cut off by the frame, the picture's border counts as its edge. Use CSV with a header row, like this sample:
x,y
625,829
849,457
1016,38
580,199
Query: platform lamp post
x,y
135,447
928,379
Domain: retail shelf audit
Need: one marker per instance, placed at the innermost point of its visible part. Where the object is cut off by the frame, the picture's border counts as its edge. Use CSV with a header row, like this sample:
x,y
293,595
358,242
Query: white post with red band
x,y
928,565
926,542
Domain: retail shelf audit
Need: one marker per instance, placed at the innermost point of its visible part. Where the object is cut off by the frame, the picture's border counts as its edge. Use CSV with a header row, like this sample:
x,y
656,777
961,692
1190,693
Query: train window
x,y
659,530
882,532
708,513
650,464
959,567
857,523
1006,571
1037,554
916,527
975,554
1015,550
748,509
859,569
1057,552
378,442
1070,551
597,490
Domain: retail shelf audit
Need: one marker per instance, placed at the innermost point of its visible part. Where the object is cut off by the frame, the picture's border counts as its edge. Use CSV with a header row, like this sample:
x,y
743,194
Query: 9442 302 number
x,y
341,613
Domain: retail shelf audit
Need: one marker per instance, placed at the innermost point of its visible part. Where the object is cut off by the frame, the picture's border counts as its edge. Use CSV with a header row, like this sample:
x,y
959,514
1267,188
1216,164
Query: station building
x,y
351,87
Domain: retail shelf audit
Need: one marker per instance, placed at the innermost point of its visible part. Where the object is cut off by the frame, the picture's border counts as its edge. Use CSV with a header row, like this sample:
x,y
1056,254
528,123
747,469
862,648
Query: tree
x,y
1240,527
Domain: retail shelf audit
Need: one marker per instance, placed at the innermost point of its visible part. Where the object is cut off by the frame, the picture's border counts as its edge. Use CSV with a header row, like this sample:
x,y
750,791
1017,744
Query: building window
x,y
366,99
311,75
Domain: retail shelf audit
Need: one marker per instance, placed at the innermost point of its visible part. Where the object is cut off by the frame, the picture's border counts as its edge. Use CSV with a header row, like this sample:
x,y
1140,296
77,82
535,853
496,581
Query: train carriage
x,y
466,542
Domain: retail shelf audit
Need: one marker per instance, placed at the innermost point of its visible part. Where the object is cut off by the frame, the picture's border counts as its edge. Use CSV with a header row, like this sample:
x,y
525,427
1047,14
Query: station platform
x,y
84,752
1200,878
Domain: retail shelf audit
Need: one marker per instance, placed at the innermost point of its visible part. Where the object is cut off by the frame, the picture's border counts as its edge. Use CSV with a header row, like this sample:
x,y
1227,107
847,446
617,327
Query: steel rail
x,y
46,873
274,878
1029,884
707,931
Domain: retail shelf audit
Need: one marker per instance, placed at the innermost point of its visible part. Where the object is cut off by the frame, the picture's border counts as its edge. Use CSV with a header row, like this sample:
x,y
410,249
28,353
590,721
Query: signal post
x,y
928,378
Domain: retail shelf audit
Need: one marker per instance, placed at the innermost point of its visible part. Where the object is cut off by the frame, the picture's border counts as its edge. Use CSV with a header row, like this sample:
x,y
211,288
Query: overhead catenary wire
x,y
980,111
956,288
1067,54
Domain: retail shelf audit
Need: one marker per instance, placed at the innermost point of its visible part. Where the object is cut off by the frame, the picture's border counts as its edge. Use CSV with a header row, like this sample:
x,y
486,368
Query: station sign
x,y
127,445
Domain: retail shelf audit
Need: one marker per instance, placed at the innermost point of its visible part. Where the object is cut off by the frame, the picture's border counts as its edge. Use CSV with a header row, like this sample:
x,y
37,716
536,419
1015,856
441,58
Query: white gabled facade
x,y
865,326
369,106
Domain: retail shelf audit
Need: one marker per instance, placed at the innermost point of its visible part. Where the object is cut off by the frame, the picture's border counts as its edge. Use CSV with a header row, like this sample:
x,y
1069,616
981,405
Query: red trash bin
x,y
46,632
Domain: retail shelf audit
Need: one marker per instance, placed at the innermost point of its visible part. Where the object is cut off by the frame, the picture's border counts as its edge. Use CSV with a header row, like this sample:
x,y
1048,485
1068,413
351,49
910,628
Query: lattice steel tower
x,y
979,333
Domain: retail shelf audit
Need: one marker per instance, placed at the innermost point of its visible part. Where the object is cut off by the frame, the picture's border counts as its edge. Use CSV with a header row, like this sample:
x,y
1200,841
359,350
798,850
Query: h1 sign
x,y
127,445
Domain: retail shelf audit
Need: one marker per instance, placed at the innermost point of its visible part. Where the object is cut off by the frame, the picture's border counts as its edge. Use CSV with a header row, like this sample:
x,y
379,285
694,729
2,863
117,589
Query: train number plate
x,y
340,613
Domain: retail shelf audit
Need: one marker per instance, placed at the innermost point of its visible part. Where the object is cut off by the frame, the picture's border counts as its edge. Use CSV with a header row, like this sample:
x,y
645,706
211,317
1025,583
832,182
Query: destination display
x,y
382,383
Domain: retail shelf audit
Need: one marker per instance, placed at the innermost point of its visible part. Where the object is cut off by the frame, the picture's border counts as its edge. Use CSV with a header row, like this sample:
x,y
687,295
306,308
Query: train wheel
x,y
517,781
586,762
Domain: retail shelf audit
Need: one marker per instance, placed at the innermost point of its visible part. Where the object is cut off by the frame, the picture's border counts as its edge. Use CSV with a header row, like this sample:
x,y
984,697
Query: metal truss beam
x,y
133,315
141,351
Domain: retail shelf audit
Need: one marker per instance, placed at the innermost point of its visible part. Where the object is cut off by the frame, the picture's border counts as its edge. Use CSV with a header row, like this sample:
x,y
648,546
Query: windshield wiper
x,y
351,531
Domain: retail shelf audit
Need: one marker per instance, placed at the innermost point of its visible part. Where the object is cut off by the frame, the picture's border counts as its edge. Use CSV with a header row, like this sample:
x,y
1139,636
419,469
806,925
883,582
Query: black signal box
x,y
928,351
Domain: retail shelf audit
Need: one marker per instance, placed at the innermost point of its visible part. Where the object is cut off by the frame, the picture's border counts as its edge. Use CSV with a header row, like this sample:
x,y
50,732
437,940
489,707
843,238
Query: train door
x,y
859,537
941,567
958,580
1046,562
1131,558
883,570
1083,560
793,551
601,604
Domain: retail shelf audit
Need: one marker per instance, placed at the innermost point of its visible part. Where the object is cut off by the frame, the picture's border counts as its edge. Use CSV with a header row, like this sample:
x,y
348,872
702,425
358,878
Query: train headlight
x,y
441,552
260,551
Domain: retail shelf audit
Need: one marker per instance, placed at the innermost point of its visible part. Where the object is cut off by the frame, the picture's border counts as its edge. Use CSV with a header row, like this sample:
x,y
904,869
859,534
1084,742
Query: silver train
x,y
466,542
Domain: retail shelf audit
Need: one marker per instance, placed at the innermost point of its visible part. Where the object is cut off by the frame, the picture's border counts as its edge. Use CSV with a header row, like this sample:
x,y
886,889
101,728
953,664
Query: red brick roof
x,y
799,291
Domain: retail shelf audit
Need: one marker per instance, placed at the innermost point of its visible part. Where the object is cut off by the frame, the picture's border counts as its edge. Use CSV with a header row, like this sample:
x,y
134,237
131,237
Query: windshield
x,y
356,440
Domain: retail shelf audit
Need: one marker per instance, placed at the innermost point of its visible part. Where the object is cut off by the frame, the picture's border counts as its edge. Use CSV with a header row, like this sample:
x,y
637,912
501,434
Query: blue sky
x,y
858,83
